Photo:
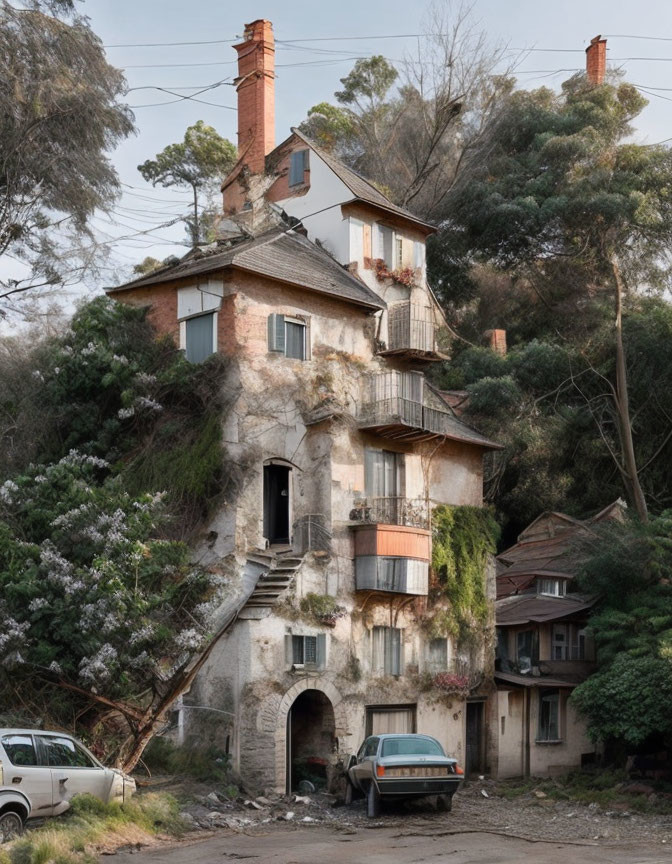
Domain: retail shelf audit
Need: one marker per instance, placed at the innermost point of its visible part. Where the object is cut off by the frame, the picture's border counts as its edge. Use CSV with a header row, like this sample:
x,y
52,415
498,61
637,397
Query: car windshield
x,y
411,747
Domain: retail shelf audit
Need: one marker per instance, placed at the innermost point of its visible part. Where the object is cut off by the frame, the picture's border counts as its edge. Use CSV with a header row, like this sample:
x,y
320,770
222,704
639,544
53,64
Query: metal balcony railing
x,y
411,328
394,510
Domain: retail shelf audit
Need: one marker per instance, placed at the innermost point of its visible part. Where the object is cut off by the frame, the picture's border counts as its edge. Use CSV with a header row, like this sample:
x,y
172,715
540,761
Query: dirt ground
x,y
482,827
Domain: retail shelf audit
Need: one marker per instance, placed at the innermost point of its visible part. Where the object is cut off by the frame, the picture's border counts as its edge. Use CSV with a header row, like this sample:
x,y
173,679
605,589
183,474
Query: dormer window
x,y
298,165
551,587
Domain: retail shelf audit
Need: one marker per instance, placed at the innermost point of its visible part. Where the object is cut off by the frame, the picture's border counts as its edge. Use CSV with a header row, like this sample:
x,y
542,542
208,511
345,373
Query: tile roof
x,y
278,254
530,608
536,680
361,188
458,429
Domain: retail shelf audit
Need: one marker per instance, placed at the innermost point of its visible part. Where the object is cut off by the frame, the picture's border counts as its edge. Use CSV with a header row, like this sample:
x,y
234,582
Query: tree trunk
x,y
197,230
623,403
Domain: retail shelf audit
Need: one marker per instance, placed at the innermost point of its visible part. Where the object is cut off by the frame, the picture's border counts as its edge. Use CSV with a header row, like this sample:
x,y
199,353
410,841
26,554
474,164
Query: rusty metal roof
x,y
534,680
280,254
532,608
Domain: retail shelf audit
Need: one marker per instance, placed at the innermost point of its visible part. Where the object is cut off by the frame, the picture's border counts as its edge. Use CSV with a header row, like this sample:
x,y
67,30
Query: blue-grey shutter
x,y
321,651
276,333
289,650
297,166
199,337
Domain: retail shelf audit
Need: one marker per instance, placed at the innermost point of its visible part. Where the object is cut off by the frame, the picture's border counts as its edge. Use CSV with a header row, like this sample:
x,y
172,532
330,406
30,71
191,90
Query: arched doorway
x,y
311,740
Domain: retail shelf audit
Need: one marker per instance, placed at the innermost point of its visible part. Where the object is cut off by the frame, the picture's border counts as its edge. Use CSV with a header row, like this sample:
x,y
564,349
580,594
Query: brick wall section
x,y
596,60
162,302
497,340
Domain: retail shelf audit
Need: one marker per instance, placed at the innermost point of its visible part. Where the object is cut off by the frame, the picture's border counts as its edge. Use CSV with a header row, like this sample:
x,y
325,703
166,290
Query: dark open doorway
x,y
474,754
311,731
276,504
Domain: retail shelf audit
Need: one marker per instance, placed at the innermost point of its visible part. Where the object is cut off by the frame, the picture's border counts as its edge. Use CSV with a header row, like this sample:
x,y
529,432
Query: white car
x,y
41,771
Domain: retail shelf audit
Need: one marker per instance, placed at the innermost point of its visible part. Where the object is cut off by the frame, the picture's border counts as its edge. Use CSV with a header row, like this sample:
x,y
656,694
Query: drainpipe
x,y
526,734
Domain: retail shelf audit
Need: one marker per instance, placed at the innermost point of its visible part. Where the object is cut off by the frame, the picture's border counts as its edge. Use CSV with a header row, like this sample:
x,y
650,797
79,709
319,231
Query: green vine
x,y
463,538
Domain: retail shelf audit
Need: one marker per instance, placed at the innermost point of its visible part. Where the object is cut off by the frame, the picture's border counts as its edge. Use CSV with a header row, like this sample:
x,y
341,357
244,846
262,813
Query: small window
x,y
20,749
559,641
298,165
387,654
437,654
551,587
418,255
64,753
199,337
525,650
549,715
307,651
288,336
398,252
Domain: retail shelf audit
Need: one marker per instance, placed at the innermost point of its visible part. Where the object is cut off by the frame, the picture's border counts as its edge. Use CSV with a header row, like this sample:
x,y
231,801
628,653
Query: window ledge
x,y
549,741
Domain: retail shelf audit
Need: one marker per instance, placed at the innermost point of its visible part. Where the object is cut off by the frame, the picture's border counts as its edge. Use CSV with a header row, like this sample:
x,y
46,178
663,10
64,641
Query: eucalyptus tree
x,y
61,113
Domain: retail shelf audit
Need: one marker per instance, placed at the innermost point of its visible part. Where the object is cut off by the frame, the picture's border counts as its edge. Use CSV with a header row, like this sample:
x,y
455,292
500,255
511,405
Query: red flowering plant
x,y
448,682
404,275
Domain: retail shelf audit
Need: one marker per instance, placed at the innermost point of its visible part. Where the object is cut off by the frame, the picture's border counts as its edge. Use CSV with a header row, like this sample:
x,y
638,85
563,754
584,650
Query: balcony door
x,y
384,480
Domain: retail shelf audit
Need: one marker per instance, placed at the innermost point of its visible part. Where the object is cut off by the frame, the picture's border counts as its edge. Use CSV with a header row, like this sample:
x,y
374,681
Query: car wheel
x,y
11,825
349,793
373,802
444,803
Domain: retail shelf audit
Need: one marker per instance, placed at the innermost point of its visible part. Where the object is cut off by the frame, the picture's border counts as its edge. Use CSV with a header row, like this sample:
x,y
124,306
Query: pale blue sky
x,y
522,24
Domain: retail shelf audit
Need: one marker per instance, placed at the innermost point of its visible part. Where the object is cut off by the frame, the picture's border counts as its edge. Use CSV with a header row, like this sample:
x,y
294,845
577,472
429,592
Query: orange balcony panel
x,y
393,541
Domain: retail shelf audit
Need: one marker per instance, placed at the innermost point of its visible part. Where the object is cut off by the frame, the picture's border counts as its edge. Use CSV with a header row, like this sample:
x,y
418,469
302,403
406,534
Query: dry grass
x,y
91,827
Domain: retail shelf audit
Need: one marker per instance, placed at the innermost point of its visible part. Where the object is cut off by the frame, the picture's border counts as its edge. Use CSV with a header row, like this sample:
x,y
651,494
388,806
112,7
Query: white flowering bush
x,y
92,597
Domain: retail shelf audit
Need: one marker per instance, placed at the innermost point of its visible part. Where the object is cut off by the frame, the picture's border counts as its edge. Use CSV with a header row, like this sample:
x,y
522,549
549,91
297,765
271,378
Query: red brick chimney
x,y
256,94
596,60
496,340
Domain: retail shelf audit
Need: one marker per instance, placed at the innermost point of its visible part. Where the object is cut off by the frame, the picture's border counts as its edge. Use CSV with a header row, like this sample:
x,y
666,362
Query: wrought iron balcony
x,y
400,405
412,513
411,330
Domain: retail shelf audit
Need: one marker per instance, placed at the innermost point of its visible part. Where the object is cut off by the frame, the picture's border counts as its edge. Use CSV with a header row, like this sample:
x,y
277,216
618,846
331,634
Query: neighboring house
x,y
543,648
345,449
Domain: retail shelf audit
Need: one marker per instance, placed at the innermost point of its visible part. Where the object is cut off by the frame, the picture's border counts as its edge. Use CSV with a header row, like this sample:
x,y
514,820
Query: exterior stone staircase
x,y
279,570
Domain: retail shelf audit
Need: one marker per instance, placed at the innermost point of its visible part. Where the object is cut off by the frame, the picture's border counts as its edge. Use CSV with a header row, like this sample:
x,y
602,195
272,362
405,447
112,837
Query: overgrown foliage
x,y
463,539
118,457
627,700
411,129
322,608
60,116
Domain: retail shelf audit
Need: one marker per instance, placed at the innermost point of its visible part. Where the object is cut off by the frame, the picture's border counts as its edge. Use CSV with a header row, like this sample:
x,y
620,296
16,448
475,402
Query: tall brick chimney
x,y
596,60
496,340
256,94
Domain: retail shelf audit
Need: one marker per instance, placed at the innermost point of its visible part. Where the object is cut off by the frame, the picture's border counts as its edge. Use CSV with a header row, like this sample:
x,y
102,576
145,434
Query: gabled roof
x,y
551,553
280,254
361,189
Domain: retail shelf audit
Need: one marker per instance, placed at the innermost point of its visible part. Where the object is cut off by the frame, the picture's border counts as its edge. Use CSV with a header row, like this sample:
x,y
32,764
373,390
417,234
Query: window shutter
x,y
289,652
199,337
321,652
298,163
276,333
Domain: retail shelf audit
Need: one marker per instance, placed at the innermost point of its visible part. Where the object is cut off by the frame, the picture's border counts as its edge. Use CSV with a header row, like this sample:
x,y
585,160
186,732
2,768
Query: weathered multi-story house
x,y
544,648
316,295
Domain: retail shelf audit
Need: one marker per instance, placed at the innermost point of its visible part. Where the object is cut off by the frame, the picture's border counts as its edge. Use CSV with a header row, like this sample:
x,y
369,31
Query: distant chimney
x,y
256,94
596,60
496,340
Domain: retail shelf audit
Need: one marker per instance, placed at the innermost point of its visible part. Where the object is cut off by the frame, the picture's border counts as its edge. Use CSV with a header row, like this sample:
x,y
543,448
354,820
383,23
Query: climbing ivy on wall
x,y
463,538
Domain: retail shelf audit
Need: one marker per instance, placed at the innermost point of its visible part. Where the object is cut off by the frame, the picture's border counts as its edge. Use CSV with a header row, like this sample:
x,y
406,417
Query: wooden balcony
x,y
392,559
411,332
392,541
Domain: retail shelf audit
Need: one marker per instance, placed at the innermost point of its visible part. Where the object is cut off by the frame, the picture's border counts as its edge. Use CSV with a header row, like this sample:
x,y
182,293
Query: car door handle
x,y
63,780
17,780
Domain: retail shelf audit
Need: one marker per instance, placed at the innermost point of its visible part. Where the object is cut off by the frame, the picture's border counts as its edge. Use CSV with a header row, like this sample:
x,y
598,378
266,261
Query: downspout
x,y
526,734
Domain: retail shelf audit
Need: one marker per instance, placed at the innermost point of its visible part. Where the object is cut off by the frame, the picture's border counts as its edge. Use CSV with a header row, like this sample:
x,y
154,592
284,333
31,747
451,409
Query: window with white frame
x,y
386,651
551,587
418,255
549,715
288,336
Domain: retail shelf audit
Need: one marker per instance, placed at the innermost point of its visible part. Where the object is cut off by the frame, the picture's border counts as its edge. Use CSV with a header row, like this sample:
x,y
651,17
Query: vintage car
x,y
395,766
41,771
